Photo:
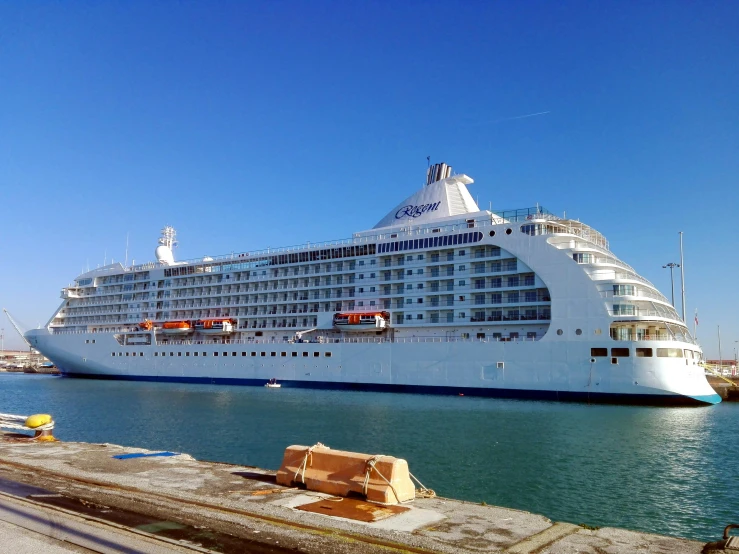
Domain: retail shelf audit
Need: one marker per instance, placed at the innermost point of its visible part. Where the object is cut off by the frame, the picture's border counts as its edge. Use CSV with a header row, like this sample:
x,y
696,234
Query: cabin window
x,y
599,352
215,353
643,352
253,353
187,354
305,354
243,353
327,354
620,352
179,353
316,354
205,353
273,354
113,353
195,353
295,354
283,354
669,353
480,335
262,354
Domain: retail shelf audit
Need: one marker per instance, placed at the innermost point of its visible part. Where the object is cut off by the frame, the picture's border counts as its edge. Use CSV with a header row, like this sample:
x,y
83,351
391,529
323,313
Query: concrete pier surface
x,y
174,503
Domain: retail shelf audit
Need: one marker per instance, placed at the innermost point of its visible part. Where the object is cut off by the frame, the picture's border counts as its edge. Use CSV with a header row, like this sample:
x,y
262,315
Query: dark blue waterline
x,y
559,396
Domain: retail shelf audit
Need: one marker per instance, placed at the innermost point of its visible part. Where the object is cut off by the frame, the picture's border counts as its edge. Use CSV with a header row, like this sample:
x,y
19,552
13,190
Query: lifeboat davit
x,y
222,326
176,328
361,321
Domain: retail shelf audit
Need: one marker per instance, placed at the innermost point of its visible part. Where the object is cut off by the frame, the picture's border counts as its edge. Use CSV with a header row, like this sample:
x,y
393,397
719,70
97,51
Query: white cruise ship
x,y
438,297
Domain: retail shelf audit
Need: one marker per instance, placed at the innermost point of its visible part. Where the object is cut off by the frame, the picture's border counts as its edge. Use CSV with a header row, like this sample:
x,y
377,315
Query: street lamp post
x,y
672,266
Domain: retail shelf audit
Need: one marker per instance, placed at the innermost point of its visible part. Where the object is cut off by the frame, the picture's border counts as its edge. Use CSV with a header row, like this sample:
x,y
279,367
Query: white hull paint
x,y
529,369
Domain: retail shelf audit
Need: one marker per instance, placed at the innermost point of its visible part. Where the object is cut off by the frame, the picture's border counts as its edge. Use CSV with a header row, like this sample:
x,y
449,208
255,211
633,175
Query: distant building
x,y
727,367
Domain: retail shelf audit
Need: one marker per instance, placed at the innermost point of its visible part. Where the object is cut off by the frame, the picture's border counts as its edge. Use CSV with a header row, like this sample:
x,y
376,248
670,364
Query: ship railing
x,y
563,226
637,293
620,275
641,312
666,337
350,340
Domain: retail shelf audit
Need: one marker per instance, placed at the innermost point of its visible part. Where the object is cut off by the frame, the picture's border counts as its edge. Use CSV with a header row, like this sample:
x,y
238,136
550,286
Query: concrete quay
x,y
727,388
182,504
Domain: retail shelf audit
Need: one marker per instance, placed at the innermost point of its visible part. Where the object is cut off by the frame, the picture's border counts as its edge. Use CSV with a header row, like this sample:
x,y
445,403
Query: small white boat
x,y
273,384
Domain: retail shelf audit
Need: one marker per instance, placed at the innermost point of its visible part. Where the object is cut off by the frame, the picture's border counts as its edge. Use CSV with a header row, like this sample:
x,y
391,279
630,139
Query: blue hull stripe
x,y
562,396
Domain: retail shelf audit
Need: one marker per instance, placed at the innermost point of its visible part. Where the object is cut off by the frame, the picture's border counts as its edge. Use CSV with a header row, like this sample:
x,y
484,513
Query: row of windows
x,y
645,353
226,354
429,242
298,257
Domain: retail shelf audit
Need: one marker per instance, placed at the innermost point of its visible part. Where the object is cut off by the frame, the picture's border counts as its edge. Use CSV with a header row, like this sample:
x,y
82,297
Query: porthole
x,y
491,233
508,231
578,331
559,332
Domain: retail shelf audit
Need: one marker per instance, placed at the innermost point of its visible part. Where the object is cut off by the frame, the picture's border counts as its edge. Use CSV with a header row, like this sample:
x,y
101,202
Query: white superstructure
x,y
439,296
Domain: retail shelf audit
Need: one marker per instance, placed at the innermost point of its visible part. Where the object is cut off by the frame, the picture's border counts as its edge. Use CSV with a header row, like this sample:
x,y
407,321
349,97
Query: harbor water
x,y
662,470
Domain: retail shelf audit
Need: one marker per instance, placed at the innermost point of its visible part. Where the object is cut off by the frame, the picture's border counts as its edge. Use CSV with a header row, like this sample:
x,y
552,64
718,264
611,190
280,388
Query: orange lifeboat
x,y
218,326
361,321
176,328
146,325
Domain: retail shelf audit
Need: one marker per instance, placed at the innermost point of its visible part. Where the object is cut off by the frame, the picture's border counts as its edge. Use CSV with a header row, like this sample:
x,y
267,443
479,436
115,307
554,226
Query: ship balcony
x,y
70,293
636,293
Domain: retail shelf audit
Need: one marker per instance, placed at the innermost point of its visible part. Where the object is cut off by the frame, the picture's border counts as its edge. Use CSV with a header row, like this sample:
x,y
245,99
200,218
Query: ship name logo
x,y
415,211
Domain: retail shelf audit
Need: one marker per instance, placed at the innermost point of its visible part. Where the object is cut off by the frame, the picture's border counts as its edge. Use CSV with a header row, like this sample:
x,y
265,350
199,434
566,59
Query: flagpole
x,y
682,275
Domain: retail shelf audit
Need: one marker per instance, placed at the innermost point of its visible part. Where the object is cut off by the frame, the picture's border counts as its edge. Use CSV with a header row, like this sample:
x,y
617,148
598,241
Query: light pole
x,y
672,266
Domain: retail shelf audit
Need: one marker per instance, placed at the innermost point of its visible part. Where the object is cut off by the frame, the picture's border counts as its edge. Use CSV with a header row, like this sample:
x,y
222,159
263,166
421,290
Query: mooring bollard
x,y
729,544
42,425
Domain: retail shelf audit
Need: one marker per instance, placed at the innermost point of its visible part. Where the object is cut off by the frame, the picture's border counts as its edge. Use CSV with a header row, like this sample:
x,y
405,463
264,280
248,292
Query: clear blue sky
x,y
247,125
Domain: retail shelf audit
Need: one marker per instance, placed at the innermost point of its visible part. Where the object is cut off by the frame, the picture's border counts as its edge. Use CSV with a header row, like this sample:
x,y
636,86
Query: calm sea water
x,y
664,470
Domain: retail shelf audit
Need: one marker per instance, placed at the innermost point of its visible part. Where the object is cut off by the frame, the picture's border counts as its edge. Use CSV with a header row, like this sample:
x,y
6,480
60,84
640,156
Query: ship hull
x,y
543,369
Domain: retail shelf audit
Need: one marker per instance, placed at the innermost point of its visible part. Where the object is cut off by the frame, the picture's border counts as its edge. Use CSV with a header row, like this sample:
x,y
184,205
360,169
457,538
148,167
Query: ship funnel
x,y
437,172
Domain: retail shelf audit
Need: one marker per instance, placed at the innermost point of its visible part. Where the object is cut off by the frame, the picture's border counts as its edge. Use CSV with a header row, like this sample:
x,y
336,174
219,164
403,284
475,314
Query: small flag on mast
x,y
696,316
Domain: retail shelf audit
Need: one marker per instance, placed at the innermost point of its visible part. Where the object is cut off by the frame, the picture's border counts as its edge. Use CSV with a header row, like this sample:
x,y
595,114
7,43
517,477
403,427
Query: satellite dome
x,y
164,255
167,242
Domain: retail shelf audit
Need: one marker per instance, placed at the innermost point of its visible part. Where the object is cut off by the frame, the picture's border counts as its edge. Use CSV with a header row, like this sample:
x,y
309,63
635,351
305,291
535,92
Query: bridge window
x,y
669,353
